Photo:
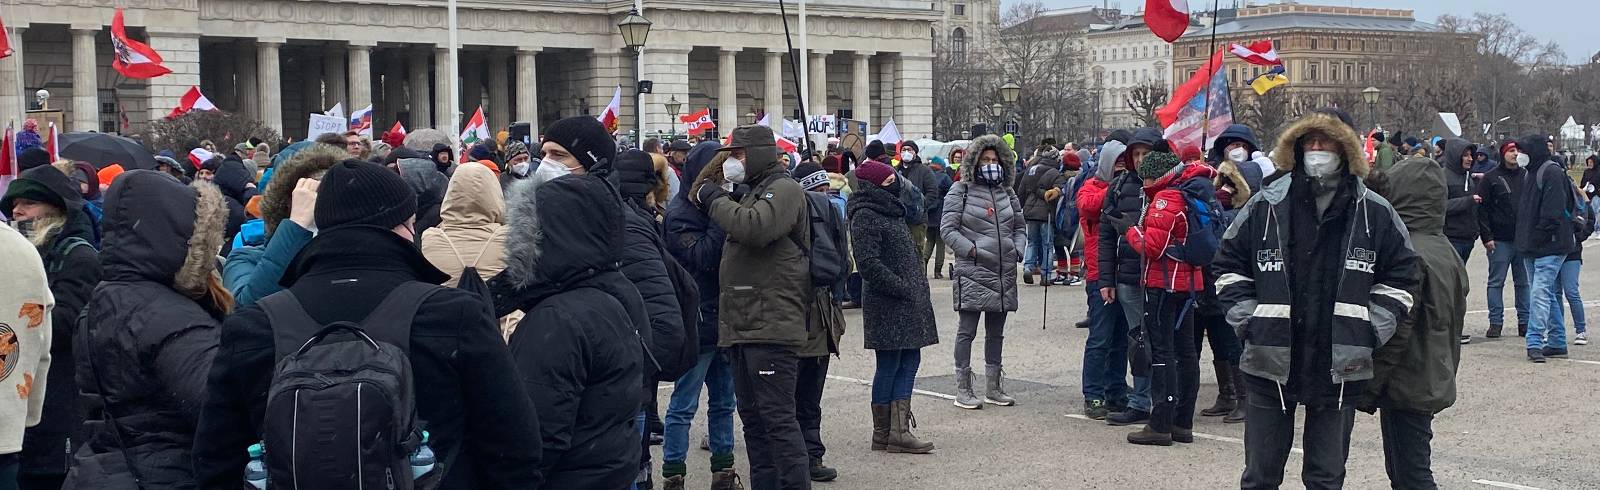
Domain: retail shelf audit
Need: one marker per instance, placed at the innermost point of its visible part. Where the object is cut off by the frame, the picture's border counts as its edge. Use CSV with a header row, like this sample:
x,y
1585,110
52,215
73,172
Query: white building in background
x,y
1123,56
967,26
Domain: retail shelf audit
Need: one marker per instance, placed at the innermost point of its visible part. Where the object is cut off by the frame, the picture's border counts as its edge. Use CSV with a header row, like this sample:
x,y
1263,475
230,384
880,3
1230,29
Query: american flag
x,y
1193,124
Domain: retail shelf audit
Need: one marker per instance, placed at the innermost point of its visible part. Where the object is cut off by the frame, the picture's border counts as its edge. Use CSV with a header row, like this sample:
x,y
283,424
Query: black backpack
x,y
829,252
470,281
684,358
341,410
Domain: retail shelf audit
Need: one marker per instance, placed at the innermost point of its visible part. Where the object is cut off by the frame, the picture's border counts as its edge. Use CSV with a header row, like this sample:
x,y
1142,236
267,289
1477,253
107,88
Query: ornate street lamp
x,y
635,29
1371,96
996,110
1010,91
673,106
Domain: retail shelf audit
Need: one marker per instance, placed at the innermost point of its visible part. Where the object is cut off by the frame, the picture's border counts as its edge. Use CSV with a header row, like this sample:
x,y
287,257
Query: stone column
x,y
244,76
817,70
13,102
359,69
181,53
444,76
668,67
394,88
270,92
528,88
886,85
85,88
727,90
914,95
774,88
421,101
608,70
333,79
861,88
472,85
499,112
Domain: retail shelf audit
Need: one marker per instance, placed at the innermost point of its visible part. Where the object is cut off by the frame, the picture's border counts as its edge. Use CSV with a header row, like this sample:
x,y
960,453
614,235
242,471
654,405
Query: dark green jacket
x,y
765,273
1416,370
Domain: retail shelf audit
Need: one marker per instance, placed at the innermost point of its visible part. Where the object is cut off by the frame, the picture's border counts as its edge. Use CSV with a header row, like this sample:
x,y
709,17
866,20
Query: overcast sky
x,y
1575,24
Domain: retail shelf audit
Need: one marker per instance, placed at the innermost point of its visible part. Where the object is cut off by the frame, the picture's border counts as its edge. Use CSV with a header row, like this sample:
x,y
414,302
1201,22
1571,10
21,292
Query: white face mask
x,y
1237,155
906,156
550,170
1321,163
520,169
1522,160
733,170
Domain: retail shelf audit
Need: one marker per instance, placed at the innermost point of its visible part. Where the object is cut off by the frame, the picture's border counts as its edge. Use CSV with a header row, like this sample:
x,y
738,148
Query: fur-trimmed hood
x,y
561,231
969,163
159,230
279,192
1286,157
1230,172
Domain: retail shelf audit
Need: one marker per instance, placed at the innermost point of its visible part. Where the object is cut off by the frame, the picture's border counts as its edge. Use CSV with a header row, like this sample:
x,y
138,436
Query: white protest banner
x,y
322,123
823,124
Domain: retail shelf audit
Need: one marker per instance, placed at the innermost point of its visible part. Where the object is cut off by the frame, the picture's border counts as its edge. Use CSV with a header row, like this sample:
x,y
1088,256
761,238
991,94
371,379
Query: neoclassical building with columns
x,y
522,60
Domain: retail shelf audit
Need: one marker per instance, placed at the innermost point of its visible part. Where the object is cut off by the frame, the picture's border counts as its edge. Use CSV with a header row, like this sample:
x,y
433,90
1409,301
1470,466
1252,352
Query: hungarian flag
x,y
698,122
134,59
1167,18
361,121
1257,53
5,41
608,117
1203,116
1184,93
8,159
192,100
474,132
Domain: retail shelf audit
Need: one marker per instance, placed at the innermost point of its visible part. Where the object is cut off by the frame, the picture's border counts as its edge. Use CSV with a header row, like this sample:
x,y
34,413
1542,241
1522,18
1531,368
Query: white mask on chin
x,y
1321,163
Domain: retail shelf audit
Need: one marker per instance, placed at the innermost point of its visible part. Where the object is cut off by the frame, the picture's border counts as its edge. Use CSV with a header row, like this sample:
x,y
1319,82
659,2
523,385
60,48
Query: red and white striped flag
x,y
608,117
52,143
8,159
698,122
1257,53
192,100
1167,18
198,156
133,58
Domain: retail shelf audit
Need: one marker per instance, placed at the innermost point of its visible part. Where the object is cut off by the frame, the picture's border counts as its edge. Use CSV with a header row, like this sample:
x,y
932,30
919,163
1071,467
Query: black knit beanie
x,y
636,173
874,150
32,157
585,138
1157,164
354,192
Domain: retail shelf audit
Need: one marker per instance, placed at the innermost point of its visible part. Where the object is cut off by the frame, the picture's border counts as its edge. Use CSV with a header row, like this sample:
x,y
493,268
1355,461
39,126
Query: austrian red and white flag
x,y
5,41
786,145
52,143
398,128
199,156
608,117
133,58
698,122
192,100
8,159
1167,18
1257,53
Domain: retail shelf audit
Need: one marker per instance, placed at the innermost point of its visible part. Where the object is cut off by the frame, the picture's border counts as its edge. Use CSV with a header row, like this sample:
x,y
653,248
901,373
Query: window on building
x,y
109,127
960,9
1349,72
1364,76
1333,72
108,107
1233,74
1363,45
1191,52
1255,71
1311,72
958,45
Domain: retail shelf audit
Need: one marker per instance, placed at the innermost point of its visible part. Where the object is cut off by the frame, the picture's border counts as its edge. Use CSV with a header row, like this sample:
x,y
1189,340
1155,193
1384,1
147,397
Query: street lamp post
x,y
1371,95
635,29
996,110
672,106
1009,94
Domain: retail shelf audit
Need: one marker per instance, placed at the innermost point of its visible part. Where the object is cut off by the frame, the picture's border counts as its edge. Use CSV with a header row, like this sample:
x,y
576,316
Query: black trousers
x,y
1407,450
1269,434
808,404
1174,359
764,382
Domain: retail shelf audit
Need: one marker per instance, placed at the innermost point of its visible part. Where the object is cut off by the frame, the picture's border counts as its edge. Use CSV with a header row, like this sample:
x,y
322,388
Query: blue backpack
x,y
1206,226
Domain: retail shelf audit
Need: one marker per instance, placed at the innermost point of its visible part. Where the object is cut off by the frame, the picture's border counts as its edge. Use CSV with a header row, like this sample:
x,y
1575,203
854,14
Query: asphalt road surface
x,y
1515,424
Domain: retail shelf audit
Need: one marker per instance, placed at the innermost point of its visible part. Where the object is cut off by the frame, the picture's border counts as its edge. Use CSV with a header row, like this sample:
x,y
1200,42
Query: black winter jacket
x,y
147,343
1040,177
640,262
897,311
696,242
47,447
1119,262
1461,210
1497,215
1544,222
477,416
918,173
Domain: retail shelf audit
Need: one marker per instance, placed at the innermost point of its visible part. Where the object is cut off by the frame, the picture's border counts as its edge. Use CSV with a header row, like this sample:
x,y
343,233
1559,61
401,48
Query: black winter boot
x,y
1226,400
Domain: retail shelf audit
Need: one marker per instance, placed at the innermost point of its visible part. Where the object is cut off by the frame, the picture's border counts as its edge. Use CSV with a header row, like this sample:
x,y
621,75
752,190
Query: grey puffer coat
x,y
983,224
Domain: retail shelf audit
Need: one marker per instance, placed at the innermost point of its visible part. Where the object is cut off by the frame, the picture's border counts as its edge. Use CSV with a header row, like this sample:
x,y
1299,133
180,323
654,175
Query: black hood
x,y
1148,136
1235,132
1454,149
157,229
1536,146
359,248
231,179
694,163
561,231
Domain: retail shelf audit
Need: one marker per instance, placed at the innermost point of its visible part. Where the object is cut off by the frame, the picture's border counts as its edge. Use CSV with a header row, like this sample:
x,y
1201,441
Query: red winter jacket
x,y
1165,224
1091,197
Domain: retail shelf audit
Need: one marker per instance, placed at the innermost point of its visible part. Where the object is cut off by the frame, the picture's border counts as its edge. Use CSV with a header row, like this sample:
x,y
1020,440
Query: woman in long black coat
x,y
897,311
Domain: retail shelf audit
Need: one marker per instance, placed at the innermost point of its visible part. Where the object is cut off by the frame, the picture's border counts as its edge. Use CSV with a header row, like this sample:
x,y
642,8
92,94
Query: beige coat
x,y
471,230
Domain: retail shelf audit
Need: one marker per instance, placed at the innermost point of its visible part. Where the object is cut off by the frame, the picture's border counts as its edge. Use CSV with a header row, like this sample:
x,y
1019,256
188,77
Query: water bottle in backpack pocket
x,y
255,472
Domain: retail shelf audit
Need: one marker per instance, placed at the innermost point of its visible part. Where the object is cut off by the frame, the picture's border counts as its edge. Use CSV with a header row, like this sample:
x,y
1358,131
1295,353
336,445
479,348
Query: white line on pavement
x,y
864,382
1502,484
1586,304
1597,363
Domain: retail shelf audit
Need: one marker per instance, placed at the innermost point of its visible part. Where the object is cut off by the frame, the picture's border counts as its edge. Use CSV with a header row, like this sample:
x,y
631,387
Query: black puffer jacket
x,y
1544,227
918,173
151,332
641,262
1043,174
1125,199
577,351
897,311
430,183
234,180
1497,215
459,364
1461,211
696,242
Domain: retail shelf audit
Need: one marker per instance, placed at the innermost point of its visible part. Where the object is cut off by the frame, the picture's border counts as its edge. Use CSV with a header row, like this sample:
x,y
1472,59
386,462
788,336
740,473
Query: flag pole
x,y
455,87
1205,122
794,65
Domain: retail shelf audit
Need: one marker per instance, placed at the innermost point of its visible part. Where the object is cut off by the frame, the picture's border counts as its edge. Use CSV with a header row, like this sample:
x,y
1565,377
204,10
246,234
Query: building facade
x,y
521,60
1125,56
967,26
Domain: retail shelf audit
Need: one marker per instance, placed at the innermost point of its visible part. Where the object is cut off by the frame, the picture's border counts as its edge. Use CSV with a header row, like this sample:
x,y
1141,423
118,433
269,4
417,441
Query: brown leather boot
x,y
880,427
1225,393
900,438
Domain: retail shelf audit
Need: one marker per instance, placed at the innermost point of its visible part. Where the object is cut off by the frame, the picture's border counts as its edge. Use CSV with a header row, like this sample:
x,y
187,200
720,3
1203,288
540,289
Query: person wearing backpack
x,y
362,265
30,309
1043,174
983,223
1172,283
49,213
1567,279
471,234
1121,268
1544,238
824,320
144,346
897,318
916,172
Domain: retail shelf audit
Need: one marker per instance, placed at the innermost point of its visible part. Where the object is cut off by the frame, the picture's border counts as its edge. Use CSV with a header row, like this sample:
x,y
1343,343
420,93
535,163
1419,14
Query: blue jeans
x,y
896,375
1463,248
1541,332
712,371
1040,246
1131,297
1105,360
1505,255
1568,280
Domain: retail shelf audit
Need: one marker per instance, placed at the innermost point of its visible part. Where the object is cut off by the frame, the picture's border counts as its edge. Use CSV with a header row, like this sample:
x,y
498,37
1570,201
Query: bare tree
x,y
184,133
1145,99
959,90
1268,114
1048,62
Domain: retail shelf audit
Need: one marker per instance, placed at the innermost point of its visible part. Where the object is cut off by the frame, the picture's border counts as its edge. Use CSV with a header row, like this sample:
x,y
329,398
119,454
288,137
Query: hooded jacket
x,y
471,231
896,311
1249,173
1461,215
1543,209
28,342
430,185
1416,370
641,261
983,225
1042,175
1313,298
765,273
1091,199
1124,198
475,413
918,173
696,242
252,272
1165,225
150,333
73,269
234,181
578,352
1590,182
1497,214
